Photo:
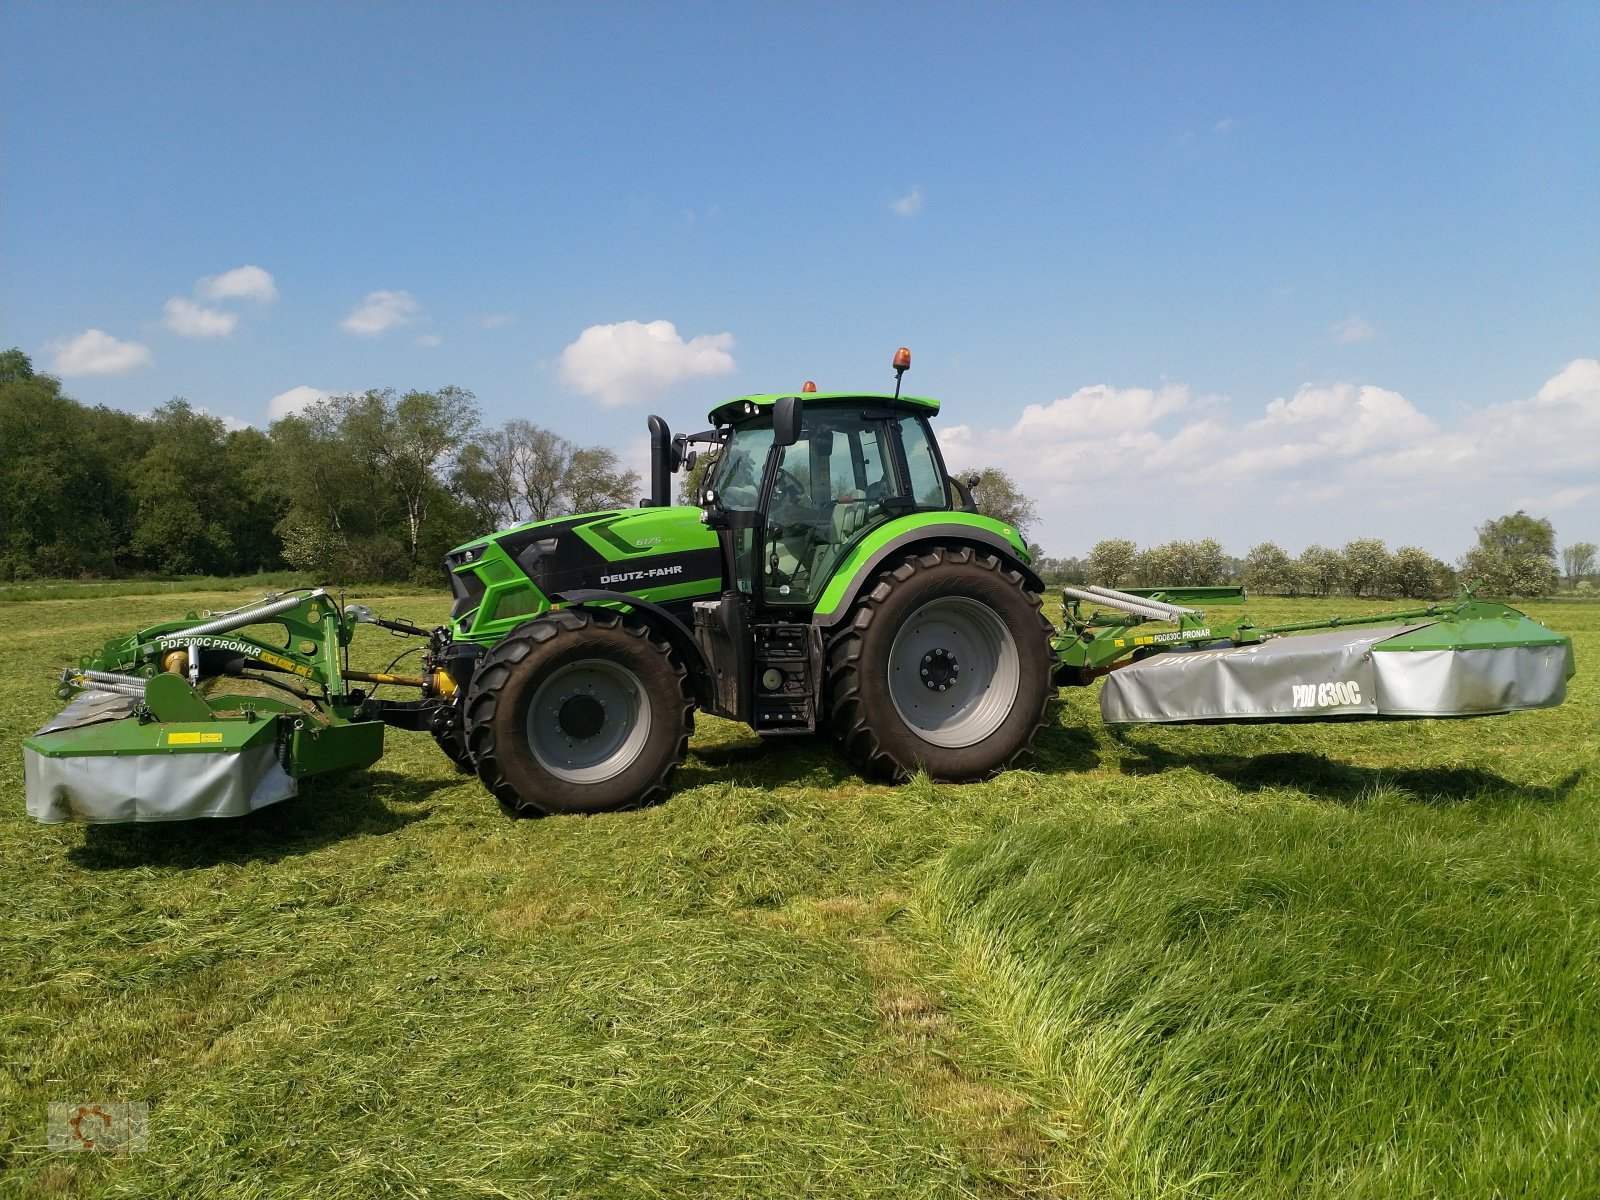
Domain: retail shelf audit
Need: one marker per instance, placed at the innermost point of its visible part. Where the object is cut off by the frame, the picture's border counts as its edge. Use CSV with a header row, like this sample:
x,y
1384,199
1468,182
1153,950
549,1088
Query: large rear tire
x,y
578,712
945,666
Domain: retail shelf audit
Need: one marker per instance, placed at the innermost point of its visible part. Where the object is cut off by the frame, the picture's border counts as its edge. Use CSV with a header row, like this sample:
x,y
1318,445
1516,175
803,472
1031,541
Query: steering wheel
x,y
787,487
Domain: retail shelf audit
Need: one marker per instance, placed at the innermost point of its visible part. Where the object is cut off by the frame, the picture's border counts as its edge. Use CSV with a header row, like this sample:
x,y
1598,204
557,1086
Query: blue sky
x,y
1303,272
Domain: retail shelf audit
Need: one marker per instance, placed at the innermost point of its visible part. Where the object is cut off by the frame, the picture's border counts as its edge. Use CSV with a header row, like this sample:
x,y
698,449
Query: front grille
x,y
468,589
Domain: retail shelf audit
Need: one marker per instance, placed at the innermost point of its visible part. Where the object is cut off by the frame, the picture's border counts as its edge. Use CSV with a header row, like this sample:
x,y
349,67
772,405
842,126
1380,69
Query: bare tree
x,y
1578,559
595,480
524,472
997,495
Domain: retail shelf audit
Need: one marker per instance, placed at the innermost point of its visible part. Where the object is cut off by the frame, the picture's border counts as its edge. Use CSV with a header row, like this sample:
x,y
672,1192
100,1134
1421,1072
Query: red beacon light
x,y
807,386
902,364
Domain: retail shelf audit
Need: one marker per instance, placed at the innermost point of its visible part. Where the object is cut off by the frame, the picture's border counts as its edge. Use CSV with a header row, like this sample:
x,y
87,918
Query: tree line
x,y
376,486
1514,556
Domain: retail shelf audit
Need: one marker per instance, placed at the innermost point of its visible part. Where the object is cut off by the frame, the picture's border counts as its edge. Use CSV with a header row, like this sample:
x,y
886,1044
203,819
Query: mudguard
x,y
892,539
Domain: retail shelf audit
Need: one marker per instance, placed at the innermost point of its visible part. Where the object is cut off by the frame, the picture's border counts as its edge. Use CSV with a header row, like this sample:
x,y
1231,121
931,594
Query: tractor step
x,y
788,671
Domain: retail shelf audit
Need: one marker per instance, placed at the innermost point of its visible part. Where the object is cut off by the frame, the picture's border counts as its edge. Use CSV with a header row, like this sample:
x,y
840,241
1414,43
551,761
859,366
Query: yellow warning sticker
x,y
282,663
193,738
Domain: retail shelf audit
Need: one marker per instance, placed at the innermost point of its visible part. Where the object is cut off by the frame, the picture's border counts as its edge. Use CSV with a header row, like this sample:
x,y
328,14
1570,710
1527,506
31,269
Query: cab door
x,y
844,477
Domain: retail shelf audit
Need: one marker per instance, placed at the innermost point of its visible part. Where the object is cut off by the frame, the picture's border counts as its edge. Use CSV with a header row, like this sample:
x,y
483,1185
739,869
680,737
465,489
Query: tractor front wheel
x,y
945,666
578,712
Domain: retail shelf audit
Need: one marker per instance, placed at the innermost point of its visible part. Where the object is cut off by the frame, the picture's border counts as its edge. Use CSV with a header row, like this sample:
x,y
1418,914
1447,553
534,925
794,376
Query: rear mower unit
x,y
832,577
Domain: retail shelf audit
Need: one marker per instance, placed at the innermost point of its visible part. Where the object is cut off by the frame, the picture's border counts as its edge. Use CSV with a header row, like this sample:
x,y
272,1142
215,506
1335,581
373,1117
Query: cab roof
x,y
745,406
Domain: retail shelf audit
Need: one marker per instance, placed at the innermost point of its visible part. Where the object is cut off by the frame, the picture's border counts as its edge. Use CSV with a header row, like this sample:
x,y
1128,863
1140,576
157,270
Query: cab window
x,y
927,482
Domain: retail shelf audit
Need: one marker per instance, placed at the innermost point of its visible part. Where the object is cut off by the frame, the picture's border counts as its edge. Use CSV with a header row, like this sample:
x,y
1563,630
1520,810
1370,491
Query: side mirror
x,y
786,421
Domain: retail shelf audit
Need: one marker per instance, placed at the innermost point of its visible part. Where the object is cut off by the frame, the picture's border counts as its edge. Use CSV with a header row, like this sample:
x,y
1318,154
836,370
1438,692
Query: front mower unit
x,y
150,735
115,767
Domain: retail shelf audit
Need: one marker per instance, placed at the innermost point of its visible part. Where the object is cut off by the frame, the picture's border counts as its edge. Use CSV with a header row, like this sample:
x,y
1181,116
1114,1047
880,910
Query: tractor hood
x,y
665,555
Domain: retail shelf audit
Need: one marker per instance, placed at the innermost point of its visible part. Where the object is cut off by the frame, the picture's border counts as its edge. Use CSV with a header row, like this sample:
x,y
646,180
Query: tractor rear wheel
x,y
944,666
578,712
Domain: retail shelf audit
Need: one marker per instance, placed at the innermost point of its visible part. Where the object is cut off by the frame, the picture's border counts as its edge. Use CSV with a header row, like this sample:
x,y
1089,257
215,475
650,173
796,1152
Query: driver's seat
x,y
849,516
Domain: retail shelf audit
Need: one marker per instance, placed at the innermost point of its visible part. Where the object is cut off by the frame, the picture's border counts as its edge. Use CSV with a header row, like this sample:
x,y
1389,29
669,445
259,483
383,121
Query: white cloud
x,y
497,320
241,283
380,312
1351,330
294,400
1328,462
429,340
1224,126
908,205
94,352
630,361
1341,419
1561,499
196,320
229,423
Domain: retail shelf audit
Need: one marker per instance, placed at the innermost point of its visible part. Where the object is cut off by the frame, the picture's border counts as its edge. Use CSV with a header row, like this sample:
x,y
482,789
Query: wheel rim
x,y
589,721
954,671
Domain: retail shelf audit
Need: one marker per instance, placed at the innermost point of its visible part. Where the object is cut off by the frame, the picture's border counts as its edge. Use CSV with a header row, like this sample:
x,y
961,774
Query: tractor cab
x,y
811,498
795,481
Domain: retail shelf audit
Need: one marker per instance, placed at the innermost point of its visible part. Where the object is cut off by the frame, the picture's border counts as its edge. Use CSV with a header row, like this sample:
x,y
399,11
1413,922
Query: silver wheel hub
x,y
589,721
954,671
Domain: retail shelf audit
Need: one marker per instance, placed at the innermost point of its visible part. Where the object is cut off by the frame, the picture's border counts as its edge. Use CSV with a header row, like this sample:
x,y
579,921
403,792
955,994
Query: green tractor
x,y
832,576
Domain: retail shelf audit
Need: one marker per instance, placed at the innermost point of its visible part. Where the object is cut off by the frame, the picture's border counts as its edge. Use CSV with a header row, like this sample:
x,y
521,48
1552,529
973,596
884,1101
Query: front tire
x,y
578,712
945,667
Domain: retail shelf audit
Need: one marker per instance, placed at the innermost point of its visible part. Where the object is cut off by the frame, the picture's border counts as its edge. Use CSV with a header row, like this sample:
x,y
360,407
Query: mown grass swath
x,y
1257,961
1303,1002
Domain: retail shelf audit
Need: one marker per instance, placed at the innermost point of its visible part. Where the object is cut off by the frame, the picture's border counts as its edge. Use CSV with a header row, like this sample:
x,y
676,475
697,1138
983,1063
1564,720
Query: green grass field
x,y
1355,960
